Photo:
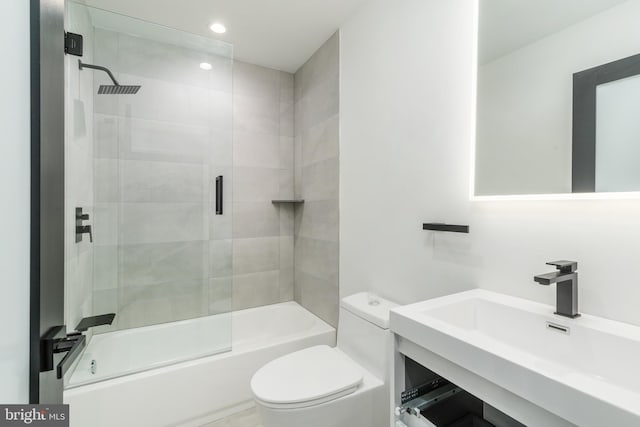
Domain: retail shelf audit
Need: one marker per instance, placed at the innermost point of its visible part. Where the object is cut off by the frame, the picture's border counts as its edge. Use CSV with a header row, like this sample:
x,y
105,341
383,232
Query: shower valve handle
x,y
80,227
85,229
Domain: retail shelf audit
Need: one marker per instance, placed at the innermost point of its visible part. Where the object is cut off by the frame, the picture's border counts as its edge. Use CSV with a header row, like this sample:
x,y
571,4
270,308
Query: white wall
x,y
14,193
525,103
406,131
405,86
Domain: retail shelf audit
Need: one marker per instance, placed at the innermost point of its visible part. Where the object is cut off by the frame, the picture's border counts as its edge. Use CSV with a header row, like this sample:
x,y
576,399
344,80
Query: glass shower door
x,y
161,169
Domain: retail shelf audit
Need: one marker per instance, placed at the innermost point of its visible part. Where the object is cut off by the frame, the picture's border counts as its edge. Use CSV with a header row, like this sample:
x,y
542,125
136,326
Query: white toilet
x,y
345,386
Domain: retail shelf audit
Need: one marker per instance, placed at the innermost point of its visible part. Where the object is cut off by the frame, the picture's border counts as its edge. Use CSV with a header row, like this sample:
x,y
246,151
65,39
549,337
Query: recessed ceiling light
x,y
206,66
218,28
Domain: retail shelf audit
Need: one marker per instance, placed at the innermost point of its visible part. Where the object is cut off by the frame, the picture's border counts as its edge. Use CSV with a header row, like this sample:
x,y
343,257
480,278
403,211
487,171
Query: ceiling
x,y
507,25
280,34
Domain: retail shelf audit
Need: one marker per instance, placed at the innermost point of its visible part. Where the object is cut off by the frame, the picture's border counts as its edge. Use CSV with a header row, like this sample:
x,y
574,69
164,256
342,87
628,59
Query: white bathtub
x,y
180,385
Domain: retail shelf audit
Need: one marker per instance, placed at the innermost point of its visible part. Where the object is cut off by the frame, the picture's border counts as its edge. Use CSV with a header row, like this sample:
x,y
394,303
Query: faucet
x,y
566,289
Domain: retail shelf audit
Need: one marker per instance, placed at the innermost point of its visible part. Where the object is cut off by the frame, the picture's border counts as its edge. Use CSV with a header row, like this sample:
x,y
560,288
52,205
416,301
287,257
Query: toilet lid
x,y
316,374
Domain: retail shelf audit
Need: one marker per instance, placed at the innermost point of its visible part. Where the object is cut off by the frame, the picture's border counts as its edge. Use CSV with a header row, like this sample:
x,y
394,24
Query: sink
x,y
585,370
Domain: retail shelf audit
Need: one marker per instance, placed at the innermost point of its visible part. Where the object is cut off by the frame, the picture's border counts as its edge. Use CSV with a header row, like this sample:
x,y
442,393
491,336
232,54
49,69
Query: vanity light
x,y
218,28
206,66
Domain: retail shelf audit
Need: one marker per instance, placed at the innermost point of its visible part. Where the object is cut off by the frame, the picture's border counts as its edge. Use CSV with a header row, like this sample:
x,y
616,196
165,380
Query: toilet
x,y
343,386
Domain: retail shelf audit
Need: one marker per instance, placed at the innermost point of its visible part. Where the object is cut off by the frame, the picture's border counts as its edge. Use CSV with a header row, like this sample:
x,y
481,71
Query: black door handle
x,y
219,200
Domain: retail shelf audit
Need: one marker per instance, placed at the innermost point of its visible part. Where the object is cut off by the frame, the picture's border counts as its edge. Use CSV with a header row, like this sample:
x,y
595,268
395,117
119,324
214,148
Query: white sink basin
x,y
585,370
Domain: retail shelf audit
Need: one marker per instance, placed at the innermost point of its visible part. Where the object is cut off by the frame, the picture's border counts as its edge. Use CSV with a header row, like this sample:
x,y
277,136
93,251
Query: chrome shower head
x,y
114,89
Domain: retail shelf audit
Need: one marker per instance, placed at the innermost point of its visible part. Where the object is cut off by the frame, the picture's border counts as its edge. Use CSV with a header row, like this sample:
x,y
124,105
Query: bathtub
x,y
185,373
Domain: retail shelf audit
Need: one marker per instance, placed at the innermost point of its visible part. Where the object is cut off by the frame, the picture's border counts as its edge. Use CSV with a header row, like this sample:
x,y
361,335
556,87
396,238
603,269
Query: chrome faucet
x,y
566,289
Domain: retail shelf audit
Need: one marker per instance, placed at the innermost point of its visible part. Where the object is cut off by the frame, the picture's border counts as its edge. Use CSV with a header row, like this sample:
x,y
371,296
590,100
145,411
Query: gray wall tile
x,y
297,172
144,181
256,289
106,47
286,268
220,110
256,81
255,219
106,301
144,139
221,147
316,177
319,296
154,157
150,264
263,160
164,255
320,180
287,155
179,182
256,115
317,257
256,184
161,303
318,220
320,103
286,88
256,255
323,65
105,136
221,226
220,295
287,119
162,222
285,184
105,268
220,258
254,149
157,100
105,224
287,219
320,142
106,180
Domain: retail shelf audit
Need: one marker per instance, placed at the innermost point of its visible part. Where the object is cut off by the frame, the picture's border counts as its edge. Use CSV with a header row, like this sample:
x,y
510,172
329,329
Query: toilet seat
x,y
306,378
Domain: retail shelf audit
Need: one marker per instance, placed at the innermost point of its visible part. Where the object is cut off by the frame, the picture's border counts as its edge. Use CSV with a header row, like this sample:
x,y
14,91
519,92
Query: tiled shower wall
x,y
317,182
263,171
161,253
156,154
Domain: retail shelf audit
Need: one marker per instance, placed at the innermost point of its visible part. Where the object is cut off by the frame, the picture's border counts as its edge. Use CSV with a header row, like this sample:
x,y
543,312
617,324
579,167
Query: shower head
x,y
114,89
118,90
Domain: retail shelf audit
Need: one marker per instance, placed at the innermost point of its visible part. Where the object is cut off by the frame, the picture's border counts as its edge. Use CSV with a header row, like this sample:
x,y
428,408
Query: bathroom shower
x,y
178,255
114,89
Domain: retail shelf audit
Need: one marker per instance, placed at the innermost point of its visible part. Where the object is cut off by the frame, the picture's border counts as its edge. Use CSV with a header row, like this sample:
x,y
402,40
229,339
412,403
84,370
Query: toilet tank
x,y
363,331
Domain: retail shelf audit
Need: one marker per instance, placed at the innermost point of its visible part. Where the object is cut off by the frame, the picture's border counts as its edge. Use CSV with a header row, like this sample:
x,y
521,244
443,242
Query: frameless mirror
x,y
558,97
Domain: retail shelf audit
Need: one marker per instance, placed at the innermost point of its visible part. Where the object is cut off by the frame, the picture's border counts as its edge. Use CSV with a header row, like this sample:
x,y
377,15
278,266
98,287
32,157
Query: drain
x,y
558,328
94,366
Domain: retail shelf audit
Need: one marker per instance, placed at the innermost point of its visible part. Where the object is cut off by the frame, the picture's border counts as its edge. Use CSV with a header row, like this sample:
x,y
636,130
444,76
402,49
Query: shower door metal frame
x,y
47,191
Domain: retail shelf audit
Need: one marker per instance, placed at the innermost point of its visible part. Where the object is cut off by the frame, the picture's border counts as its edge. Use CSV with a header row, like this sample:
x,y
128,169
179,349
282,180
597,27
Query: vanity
x,y
525,364
558,95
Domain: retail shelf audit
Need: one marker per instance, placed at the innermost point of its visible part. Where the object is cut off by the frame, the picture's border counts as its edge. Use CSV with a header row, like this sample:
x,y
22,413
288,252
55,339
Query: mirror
x,y
558,107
